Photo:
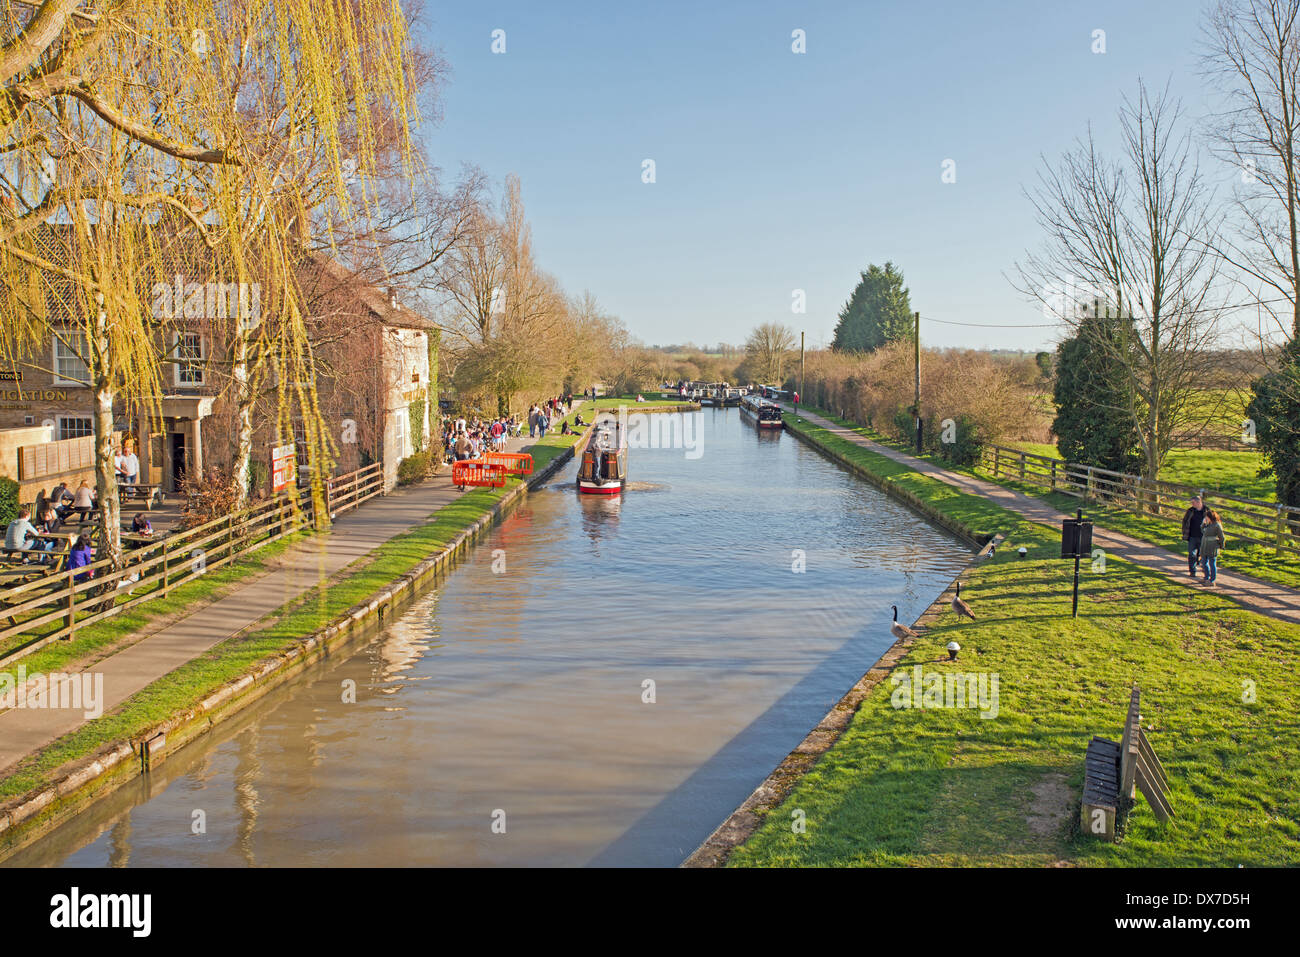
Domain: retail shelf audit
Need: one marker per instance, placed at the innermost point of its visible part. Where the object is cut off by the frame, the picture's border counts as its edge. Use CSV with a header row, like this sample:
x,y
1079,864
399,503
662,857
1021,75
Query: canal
x,y
602,681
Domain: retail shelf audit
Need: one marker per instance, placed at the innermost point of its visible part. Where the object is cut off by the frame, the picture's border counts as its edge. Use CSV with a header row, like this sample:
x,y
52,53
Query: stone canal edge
x,y
777,786
28,817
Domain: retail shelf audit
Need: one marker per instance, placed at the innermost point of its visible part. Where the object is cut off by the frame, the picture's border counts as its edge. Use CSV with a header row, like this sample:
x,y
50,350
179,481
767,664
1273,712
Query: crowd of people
x,y
470,437
464,438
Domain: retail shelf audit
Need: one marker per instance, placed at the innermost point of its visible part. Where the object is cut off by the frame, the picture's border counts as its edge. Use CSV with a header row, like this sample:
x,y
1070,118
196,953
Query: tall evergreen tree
x,y
1275,409
879,311
1093,425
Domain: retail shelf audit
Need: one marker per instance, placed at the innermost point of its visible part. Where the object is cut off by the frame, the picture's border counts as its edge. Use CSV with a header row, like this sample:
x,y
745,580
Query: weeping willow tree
x,y
131,127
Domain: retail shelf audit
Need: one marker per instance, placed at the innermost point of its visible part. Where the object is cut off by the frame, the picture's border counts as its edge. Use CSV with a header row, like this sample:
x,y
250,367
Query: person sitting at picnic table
x,y
20,531
141,526
83,503
58,495
48,523
82,554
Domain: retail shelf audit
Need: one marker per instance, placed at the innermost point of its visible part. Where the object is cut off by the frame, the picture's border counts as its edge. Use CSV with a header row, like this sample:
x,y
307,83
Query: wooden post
x,y
1088,486
72,606
997,460
917,342
1053,475
1022,466
164,588
1281,529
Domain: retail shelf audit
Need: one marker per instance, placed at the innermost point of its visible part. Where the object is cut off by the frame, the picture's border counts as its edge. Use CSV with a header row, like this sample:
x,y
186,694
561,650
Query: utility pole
x,y
796,405
916,339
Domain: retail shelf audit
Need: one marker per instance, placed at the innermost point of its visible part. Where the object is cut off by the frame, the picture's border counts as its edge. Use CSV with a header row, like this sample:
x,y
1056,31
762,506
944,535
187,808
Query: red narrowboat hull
x,y
600,489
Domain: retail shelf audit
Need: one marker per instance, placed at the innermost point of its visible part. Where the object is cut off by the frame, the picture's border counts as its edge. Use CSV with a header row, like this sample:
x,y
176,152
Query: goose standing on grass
x,y
900,630
959,606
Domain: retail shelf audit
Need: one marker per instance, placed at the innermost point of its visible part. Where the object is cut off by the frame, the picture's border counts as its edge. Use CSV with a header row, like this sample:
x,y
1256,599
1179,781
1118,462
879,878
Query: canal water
x,y
602,681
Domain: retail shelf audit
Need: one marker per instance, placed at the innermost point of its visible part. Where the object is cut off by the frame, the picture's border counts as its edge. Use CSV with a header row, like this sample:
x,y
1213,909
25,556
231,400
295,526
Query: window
x,y
74,427
189,359
69,367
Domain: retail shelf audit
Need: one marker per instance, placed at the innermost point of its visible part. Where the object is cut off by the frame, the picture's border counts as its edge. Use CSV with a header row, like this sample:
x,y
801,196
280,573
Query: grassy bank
x,y
946,787
1249,559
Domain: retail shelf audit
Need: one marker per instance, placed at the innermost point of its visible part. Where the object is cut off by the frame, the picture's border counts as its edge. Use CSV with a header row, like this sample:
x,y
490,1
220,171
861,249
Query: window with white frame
x,y
74,427
69,366
189,354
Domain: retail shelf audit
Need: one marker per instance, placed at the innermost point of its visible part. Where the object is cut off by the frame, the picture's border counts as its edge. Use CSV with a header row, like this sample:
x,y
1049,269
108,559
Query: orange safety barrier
x,y
516,463
478,472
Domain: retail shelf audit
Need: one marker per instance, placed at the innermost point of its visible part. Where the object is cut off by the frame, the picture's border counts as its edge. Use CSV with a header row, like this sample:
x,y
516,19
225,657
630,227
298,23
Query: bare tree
x,y
1138,234
767,349
1254,55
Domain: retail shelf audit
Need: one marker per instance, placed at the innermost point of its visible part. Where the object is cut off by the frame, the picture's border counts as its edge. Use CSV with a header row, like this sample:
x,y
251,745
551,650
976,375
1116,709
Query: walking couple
x,y
1203,532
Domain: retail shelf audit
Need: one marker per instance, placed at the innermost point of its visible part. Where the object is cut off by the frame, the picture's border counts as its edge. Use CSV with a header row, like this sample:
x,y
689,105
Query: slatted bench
x,y
1114,770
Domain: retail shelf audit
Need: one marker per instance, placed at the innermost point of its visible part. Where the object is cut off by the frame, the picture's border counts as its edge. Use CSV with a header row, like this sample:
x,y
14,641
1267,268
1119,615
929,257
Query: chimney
x,y
392,298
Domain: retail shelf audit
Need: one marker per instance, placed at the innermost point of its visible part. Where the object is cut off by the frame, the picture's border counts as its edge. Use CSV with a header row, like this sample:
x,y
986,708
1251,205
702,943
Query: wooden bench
x,y
1114,770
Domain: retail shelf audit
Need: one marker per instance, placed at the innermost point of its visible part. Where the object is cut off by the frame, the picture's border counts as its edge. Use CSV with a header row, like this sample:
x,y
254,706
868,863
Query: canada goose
x,y
959,606
898,630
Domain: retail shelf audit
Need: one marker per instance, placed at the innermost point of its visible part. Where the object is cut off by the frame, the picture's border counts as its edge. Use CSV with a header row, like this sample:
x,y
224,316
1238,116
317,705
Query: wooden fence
x,y
1247,519
74,600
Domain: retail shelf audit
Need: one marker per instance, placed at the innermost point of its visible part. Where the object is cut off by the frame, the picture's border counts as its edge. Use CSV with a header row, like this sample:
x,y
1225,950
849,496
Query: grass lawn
x,y
1236,473
906,787
195,680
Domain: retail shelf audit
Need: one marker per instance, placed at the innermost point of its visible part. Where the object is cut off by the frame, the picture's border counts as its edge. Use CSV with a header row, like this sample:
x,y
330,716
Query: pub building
x,y
373,370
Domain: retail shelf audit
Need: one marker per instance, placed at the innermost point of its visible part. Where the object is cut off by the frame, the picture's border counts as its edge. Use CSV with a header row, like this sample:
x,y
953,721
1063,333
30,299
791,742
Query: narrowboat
x,y
603,470
766,415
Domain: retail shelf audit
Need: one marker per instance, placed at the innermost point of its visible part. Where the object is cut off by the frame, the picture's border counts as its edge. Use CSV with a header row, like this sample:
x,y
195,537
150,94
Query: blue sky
x,y
779,171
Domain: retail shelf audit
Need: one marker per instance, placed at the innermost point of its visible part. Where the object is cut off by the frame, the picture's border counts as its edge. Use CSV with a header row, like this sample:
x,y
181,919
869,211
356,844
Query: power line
x,y
984,325
1055,325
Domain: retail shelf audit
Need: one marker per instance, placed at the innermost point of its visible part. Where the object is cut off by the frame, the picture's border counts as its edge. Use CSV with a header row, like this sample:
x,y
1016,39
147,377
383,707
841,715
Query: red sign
x,y
284,461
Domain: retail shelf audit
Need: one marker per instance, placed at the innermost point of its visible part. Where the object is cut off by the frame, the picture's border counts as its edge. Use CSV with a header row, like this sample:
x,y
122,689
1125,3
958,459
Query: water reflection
x,y
600,515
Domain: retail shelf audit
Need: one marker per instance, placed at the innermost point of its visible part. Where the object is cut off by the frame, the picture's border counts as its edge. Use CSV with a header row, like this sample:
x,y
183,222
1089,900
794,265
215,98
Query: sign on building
x,y
284,460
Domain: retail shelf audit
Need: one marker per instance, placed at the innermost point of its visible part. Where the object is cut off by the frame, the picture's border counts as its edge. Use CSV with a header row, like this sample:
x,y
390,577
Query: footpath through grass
x,y
943,786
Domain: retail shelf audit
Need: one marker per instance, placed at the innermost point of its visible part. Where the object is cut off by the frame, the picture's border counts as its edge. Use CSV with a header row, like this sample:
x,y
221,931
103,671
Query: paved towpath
x,y
299,569
1266,598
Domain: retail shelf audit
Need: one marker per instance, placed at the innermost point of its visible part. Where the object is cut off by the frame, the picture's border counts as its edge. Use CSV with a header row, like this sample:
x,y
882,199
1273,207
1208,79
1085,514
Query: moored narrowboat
x,y
765,414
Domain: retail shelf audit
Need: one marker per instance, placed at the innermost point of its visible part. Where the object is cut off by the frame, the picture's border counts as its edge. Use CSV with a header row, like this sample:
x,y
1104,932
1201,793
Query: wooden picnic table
x,y
144,491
